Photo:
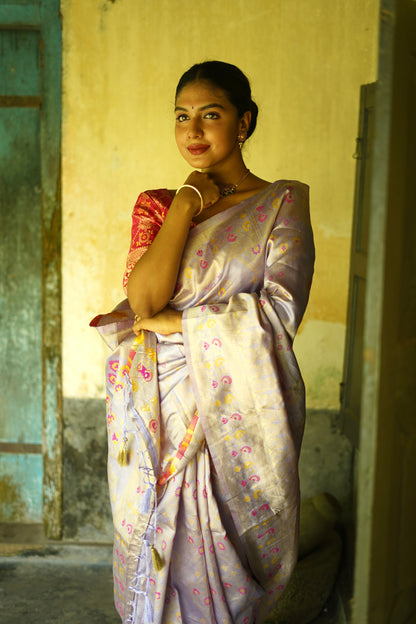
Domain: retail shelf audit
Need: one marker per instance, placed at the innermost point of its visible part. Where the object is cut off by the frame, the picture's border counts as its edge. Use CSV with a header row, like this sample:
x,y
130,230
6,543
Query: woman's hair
x,y
228,78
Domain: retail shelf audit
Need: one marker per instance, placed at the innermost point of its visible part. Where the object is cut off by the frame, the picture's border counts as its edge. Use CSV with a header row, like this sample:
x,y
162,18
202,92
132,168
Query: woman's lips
x,y
197,149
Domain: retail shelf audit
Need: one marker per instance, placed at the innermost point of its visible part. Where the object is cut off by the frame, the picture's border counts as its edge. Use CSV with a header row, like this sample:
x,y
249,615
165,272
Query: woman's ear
x,y
245,121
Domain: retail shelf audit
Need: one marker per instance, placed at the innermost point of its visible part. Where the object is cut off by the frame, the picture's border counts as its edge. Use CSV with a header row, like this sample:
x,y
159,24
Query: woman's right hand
x,y
206,186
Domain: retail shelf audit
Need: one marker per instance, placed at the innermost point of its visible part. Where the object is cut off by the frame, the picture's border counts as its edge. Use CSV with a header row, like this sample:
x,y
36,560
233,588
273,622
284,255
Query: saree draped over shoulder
x,y
211,420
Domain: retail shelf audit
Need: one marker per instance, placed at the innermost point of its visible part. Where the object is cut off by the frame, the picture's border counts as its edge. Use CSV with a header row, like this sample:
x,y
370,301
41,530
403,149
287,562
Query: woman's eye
x,y
181,118
212,115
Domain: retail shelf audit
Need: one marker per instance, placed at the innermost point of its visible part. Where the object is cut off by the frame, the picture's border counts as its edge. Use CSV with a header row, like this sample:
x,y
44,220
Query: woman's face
x,y
207,125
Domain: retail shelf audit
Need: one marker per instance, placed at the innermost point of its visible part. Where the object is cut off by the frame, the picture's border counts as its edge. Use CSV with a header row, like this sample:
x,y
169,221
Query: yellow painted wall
x,y
306,60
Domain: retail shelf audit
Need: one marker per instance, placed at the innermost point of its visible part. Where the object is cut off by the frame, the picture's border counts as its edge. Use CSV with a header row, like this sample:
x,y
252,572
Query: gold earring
x,y
241,140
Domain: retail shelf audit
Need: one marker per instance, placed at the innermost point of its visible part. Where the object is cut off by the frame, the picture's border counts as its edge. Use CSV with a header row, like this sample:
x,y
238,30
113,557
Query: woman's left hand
x,y
167,321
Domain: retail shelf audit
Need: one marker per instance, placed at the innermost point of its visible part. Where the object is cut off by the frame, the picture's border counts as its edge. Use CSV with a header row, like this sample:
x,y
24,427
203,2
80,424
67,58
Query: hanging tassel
x,y
123,454
157,560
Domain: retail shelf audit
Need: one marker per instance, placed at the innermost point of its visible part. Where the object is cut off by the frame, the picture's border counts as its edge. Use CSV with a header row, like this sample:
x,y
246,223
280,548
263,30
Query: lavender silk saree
x,y
213,420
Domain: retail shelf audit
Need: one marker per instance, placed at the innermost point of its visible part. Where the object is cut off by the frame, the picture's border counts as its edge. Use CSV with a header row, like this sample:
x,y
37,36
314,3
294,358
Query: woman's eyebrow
x,y
213,105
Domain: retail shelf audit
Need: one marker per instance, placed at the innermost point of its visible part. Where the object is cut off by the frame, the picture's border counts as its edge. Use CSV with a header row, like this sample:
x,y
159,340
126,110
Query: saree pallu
x,y
212,420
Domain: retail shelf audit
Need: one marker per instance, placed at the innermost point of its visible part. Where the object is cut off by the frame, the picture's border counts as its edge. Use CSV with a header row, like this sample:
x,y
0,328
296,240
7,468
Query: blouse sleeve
x,y
148,215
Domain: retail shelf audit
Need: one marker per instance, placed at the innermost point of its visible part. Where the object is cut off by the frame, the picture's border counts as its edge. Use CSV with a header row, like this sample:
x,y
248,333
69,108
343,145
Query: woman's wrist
x,y
192,196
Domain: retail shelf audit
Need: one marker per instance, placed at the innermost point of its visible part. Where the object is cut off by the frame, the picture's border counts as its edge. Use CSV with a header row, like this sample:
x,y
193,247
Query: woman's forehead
x,y
201,93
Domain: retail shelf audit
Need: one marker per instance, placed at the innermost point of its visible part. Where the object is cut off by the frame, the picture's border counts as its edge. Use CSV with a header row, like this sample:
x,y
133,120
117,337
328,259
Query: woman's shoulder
x,y
162,195
153,201
291,184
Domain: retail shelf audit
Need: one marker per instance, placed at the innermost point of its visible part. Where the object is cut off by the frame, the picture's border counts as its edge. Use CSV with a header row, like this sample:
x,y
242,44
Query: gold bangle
x,y
196,191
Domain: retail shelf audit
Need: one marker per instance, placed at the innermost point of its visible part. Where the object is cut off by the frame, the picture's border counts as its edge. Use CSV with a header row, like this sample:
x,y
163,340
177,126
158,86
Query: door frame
x,y
385,561
44,16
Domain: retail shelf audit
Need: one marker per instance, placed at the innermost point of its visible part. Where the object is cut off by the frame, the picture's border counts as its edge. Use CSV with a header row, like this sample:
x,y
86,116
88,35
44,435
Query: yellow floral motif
x,y
151,354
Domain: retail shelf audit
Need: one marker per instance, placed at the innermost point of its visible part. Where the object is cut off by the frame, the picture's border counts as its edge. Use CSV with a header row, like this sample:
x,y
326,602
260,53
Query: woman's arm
x,y
152,281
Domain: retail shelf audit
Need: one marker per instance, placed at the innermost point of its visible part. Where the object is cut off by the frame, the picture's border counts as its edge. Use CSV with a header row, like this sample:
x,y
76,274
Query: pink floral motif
x,y
153,425
144,372
289,197
264,507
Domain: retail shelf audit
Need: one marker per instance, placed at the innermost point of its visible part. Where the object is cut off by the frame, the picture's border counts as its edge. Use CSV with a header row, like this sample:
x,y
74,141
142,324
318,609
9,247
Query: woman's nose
x,y
194,128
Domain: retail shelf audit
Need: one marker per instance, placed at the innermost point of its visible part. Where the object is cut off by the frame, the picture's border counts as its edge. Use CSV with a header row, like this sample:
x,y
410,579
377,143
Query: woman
x,y
205,402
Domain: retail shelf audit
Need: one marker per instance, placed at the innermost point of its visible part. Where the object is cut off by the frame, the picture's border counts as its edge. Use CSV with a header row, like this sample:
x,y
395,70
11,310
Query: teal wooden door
x,y
21,279
30,415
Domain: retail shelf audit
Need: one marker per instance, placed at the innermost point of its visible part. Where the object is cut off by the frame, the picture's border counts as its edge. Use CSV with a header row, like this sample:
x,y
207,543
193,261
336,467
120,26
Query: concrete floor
x,y
65,585
71,584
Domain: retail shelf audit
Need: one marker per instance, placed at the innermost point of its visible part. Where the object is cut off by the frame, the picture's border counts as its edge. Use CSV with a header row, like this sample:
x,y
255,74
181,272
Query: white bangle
x,y
196,191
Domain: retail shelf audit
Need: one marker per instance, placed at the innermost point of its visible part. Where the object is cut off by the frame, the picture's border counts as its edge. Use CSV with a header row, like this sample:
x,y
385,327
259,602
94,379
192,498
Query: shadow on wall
x,y
86,504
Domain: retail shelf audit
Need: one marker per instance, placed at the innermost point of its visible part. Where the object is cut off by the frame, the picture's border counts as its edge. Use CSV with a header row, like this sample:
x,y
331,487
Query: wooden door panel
x,y
20,62
21,277
353,357
21,377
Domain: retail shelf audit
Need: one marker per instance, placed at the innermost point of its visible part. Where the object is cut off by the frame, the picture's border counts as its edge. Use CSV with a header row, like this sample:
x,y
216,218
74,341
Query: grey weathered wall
x,y
86,505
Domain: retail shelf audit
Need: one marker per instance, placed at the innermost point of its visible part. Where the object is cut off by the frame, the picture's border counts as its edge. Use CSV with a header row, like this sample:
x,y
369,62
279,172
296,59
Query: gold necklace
x,y
229,189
